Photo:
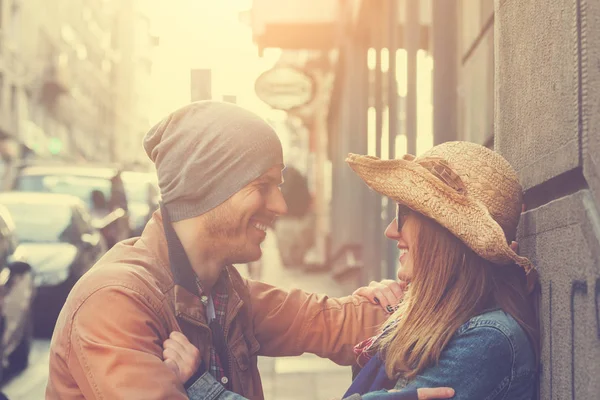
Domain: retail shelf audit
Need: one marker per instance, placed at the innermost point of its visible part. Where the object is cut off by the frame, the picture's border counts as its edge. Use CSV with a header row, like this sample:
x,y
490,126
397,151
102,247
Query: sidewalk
x,y
306,376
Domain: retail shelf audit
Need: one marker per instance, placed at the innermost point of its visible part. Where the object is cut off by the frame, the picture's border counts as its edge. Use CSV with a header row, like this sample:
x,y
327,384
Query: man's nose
x,y
276,203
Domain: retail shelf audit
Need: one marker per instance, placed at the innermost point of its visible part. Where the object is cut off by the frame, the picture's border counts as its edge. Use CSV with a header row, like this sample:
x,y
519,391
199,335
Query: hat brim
x,y
410,184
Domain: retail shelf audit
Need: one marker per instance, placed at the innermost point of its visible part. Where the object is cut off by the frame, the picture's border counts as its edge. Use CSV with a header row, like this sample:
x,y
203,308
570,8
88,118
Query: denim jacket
x,y
489,358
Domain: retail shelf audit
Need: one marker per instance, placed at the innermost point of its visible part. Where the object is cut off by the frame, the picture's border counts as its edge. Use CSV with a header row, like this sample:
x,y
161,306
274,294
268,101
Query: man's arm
x,y
207,388
116,348
183,358
289,323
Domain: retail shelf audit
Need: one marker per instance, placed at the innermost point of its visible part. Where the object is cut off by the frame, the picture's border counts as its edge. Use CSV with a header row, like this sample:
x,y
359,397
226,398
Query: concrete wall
x,y
547,123
475,92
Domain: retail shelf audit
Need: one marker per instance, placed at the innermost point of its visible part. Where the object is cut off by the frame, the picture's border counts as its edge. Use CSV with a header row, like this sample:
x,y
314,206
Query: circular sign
x,y
285,88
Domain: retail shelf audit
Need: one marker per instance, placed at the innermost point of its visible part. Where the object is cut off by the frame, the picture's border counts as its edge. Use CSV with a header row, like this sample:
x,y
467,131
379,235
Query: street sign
x,y
285,88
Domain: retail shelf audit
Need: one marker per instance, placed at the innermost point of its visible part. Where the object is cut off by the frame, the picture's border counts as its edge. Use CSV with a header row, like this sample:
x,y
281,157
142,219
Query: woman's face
x,y
405,236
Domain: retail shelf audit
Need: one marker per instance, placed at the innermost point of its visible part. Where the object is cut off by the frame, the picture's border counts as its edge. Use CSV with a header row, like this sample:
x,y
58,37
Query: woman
x,y
466,320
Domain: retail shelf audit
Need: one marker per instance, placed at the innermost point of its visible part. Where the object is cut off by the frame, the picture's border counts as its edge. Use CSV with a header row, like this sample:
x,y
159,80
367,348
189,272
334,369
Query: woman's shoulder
x,y
489,357
498,332
492,318
493,323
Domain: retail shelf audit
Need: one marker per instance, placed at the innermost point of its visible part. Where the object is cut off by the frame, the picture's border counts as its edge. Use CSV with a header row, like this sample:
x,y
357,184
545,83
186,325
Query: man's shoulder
x,y
124,269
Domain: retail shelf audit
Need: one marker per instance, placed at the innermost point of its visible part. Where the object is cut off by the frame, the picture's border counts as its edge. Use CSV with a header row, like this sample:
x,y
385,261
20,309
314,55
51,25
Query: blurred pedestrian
x,y
219,170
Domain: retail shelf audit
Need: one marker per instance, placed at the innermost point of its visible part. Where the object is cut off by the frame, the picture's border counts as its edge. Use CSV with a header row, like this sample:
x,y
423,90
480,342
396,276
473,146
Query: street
x,y
31,383
286,378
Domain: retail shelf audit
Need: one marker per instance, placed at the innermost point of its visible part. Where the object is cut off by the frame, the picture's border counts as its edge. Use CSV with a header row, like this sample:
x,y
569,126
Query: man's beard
x,y
225,233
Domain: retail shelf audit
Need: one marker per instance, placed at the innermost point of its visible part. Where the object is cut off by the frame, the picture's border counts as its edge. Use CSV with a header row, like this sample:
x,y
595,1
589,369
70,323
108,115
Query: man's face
x,y
238,226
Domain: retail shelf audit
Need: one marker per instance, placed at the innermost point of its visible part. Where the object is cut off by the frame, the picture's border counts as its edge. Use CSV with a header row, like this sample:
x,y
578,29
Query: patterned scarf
x,y
366,349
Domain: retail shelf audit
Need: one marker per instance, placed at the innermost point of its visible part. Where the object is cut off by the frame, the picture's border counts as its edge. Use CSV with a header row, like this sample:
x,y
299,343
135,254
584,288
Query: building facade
x,y
529,85
72,76
521,77
547,124
135,41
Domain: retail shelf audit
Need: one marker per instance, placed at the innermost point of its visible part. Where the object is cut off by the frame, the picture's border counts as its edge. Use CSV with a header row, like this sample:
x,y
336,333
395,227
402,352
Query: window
x,y
42,223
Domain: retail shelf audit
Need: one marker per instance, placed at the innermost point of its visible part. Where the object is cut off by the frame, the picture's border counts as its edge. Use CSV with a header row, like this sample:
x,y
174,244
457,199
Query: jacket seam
x,y
510,377
505,382
88,371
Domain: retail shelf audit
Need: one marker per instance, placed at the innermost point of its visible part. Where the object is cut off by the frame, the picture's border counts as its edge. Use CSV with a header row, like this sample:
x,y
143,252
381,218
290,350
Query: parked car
x,y
143,197
17,294
100,187
56,232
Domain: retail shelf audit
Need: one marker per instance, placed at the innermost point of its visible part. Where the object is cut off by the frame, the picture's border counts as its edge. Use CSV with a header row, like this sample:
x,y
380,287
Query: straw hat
x,y
469,189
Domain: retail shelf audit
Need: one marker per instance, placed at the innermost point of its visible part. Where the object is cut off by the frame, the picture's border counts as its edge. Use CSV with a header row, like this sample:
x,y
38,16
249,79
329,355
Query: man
x,y
219,169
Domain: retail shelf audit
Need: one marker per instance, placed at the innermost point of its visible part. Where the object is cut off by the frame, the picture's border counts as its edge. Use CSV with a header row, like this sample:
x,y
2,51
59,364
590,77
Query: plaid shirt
x,y
219,297
366,349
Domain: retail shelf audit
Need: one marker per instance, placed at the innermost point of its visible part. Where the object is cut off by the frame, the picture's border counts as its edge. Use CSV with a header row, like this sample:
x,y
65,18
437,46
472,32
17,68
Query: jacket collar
x,y
160,238
183,274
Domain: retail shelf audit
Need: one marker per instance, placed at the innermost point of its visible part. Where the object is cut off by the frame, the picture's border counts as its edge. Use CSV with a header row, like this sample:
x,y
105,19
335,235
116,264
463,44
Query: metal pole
x,y
378,35
392,251
412,26
444,29
319,128
378,30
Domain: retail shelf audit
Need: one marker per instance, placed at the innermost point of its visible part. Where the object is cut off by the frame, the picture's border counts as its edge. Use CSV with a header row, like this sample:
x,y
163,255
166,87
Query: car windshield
x,y
79,186
41,223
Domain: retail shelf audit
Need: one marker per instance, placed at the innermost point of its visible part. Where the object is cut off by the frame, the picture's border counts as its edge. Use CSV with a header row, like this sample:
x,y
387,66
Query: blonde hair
x,y
450,285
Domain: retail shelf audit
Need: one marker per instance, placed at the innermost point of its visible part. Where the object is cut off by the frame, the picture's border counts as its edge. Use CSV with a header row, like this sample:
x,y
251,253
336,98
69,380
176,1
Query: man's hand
x,y
387,293
423,394
435,393
182,357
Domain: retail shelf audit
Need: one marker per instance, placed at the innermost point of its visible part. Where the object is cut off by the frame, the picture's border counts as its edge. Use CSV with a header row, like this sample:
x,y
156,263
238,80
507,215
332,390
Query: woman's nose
x,y
391,232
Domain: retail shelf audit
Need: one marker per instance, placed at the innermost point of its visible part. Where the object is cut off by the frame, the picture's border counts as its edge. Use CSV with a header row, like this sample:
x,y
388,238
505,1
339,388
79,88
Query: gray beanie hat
x,y
207,151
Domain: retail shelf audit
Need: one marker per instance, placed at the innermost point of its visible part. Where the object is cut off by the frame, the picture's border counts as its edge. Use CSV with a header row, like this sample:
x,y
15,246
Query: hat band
x,y
442,170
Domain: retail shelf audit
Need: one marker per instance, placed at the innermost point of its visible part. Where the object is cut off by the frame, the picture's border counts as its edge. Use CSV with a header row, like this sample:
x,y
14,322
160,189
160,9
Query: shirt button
x,y
224,380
